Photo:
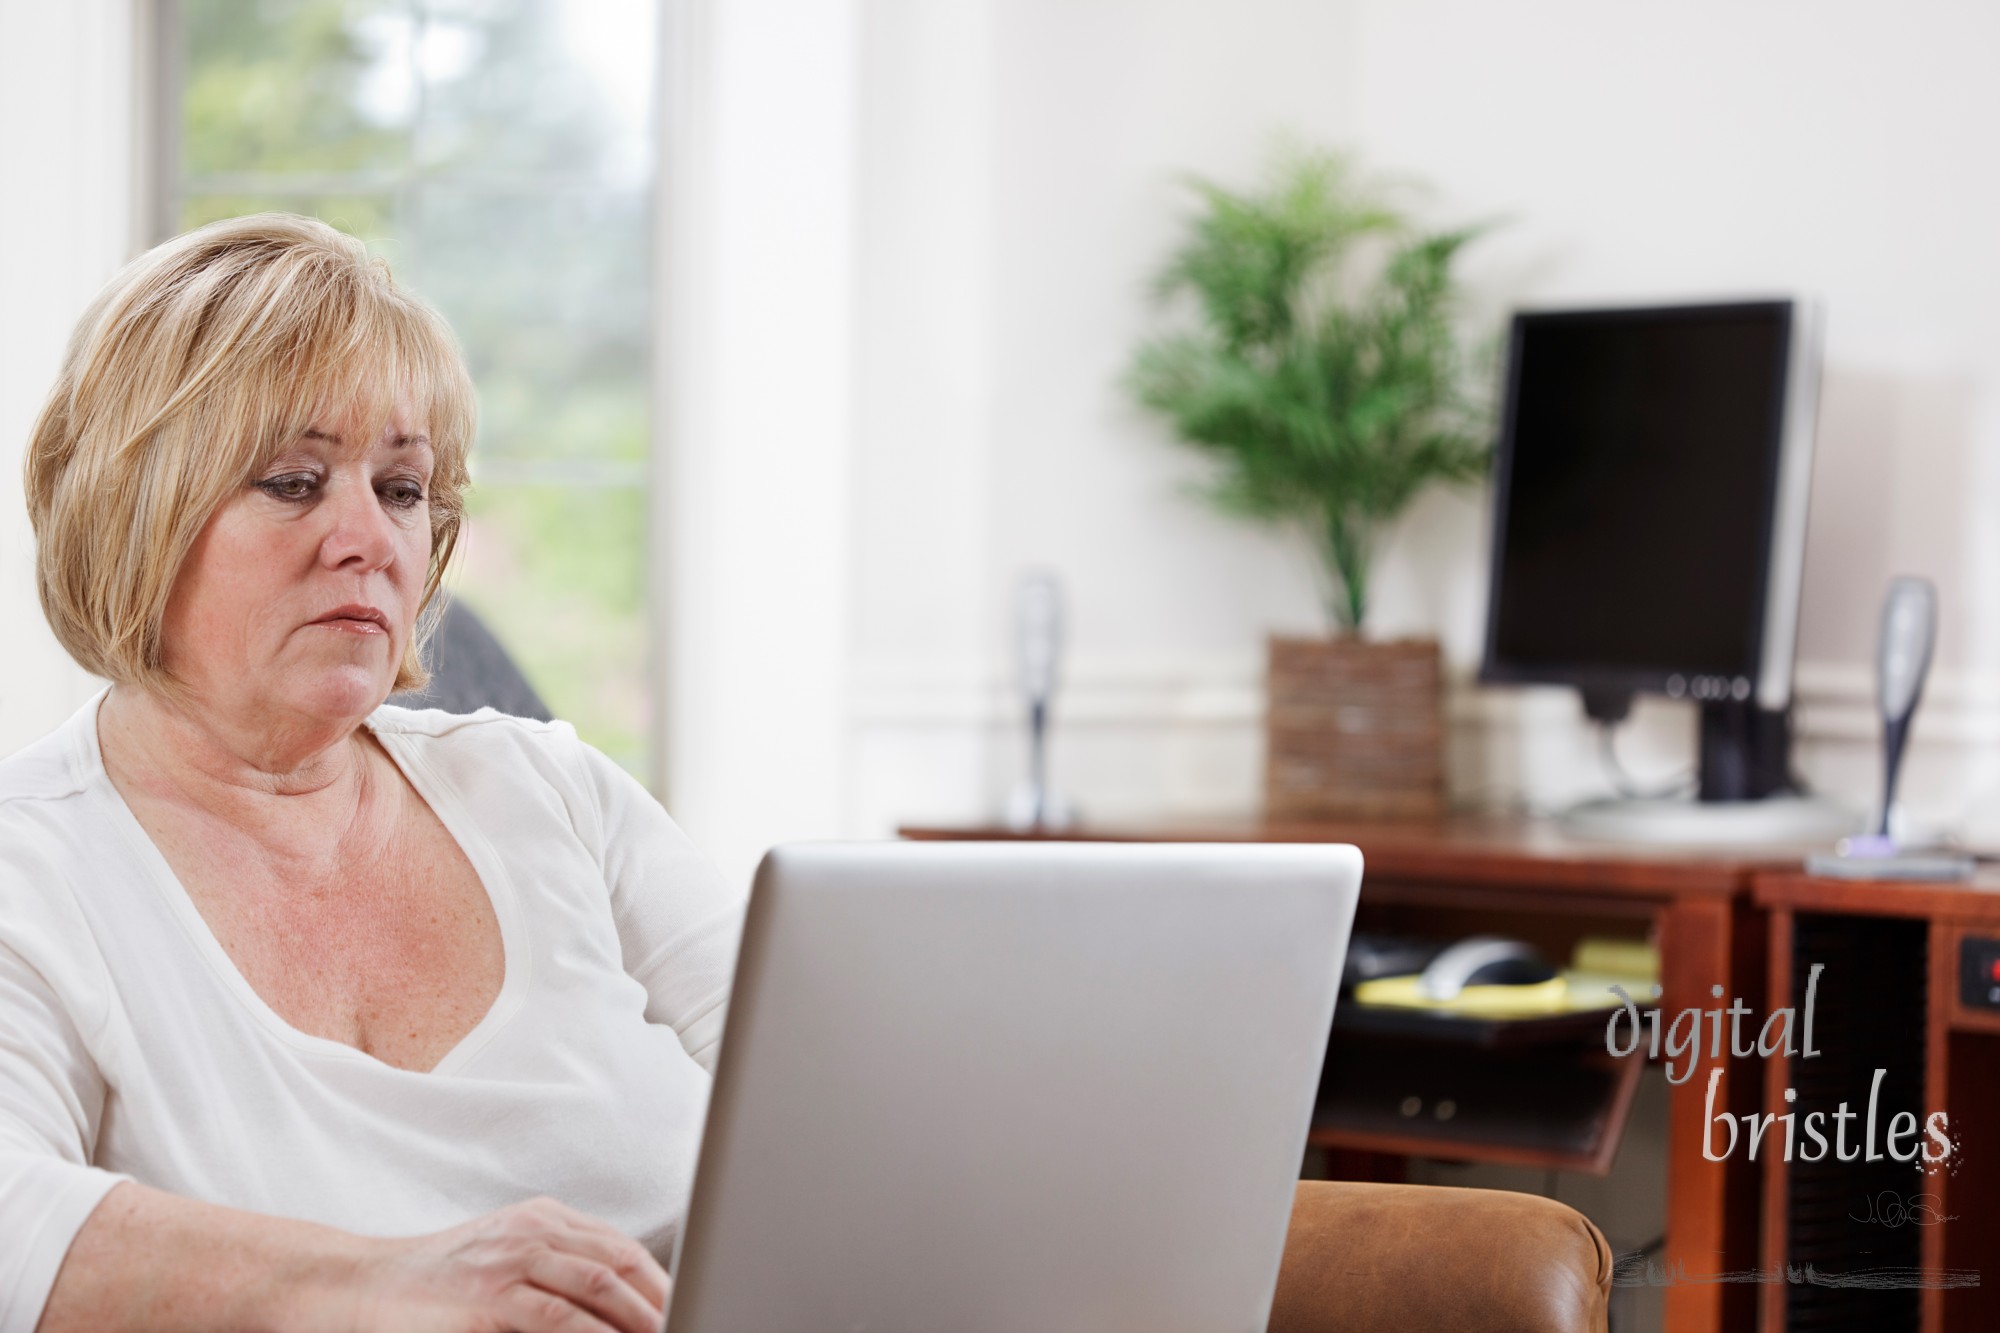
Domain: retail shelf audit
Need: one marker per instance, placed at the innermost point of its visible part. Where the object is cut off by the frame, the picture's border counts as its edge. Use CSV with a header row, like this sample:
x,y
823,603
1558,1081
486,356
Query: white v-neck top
x,y
131,1047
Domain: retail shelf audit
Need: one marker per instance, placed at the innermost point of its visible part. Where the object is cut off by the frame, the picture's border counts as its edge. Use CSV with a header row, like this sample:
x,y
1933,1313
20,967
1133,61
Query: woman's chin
x,y
339,693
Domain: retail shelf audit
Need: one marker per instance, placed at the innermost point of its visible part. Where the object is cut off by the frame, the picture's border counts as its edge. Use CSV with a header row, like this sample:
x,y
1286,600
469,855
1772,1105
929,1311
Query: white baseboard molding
x,y
1835,701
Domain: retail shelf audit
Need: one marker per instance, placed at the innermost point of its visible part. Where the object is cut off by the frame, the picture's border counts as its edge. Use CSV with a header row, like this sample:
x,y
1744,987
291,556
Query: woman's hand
x,y
535,1267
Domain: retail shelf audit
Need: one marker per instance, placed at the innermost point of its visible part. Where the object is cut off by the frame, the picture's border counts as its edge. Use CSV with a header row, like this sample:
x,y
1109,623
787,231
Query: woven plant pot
x,y
1354,730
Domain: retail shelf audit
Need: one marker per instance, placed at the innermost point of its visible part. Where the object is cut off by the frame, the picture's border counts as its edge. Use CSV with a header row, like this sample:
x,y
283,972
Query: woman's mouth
x,y
355,619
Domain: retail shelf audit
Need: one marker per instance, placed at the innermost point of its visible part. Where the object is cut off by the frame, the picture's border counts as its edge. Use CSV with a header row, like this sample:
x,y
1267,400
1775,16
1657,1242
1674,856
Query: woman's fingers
x,y
534,1267
528,1310
596,1287
595,1240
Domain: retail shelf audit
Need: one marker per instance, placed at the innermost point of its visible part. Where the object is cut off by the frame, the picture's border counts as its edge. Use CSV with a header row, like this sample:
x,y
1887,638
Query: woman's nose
x,y
359,533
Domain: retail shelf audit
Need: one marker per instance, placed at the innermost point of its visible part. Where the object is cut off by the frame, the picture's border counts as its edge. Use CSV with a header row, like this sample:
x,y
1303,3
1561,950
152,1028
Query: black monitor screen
x,y
1639,473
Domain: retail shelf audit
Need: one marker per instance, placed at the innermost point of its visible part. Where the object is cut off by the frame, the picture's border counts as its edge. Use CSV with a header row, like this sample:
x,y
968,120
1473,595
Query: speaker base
x,y
1775,821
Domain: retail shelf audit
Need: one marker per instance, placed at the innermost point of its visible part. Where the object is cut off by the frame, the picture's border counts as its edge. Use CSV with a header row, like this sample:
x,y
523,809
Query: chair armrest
x,y
1396,1258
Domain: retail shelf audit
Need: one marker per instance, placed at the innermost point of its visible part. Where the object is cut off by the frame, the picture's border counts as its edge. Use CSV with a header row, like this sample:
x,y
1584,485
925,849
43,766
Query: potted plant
x,y
1324,375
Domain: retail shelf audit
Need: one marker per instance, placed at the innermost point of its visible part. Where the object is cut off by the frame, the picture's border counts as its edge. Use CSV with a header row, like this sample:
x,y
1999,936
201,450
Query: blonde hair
x,y
199,362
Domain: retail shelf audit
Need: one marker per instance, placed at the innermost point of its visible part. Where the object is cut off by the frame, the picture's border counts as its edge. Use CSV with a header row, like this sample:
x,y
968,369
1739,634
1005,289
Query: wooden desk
x,y
1525,879
1914,1020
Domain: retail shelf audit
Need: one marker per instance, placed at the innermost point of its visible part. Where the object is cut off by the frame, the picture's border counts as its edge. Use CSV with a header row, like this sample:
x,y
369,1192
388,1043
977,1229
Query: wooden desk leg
x,y
1712,1207
1937,1085
1776,1232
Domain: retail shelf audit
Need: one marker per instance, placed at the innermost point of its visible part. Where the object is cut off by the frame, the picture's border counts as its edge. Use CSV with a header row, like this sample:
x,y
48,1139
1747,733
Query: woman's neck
x,y
255,774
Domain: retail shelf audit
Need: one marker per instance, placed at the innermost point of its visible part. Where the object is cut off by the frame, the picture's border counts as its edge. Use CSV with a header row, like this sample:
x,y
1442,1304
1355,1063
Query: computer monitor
x,y
1649,518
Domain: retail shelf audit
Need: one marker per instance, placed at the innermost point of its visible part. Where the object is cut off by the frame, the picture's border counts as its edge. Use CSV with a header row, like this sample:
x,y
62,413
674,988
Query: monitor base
x,y
1787,821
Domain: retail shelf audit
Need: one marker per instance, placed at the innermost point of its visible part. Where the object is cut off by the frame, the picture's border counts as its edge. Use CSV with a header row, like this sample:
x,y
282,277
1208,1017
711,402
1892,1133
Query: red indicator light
x,y
1994,968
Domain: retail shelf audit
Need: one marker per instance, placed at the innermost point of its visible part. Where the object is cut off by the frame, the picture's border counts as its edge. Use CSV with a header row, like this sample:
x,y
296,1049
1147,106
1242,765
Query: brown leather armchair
x,y
1422,1258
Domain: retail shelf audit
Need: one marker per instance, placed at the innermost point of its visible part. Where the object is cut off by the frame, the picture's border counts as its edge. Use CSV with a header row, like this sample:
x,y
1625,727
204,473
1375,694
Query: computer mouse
x,y
1482,960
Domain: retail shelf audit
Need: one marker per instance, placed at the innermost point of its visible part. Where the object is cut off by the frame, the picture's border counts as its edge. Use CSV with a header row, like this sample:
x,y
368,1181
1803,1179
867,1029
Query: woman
x,y
317,1013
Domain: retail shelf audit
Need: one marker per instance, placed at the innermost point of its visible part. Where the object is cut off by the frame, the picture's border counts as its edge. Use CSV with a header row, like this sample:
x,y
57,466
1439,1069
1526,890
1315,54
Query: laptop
x,y
1033,1087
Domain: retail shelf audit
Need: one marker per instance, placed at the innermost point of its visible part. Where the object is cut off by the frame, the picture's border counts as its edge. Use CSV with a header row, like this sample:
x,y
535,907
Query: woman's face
x,y
300,594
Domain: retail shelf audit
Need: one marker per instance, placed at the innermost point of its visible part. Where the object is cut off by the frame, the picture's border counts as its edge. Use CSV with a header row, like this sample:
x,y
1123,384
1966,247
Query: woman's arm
x,y
82,1249
146,1259
150,1261
679,921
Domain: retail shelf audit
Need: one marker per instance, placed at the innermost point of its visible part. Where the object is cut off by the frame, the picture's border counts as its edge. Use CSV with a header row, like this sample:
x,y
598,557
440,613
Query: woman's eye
x,y
292,487
403,494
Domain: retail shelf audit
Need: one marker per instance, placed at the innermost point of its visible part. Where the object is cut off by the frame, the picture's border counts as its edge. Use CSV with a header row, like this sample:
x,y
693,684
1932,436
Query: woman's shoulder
x,y
52,839
39,778
488,751
489,734
510,768
488,726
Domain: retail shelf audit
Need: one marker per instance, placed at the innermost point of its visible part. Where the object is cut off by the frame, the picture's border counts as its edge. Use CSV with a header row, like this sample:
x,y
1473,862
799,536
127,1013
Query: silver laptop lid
x,y
1023,1086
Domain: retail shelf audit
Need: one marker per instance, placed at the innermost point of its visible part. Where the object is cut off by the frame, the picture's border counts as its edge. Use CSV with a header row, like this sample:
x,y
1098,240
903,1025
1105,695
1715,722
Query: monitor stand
x,y
1747,795
1775,821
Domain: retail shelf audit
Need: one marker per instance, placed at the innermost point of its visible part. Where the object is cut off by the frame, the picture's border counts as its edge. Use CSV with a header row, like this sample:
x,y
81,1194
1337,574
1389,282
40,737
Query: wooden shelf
x,y
1977,900
1958,1050
1557,1107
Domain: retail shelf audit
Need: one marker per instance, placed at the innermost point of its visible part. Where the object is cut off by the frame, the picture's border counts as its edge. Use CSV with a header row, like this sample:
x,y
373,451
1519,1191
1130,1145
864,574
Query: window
x,y
498,153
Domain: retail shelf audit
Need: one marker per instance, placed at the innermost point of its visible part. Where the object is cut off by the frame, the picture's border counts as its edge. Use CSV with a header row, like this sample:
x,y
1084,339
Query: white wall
x,y
1018,188
67,120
